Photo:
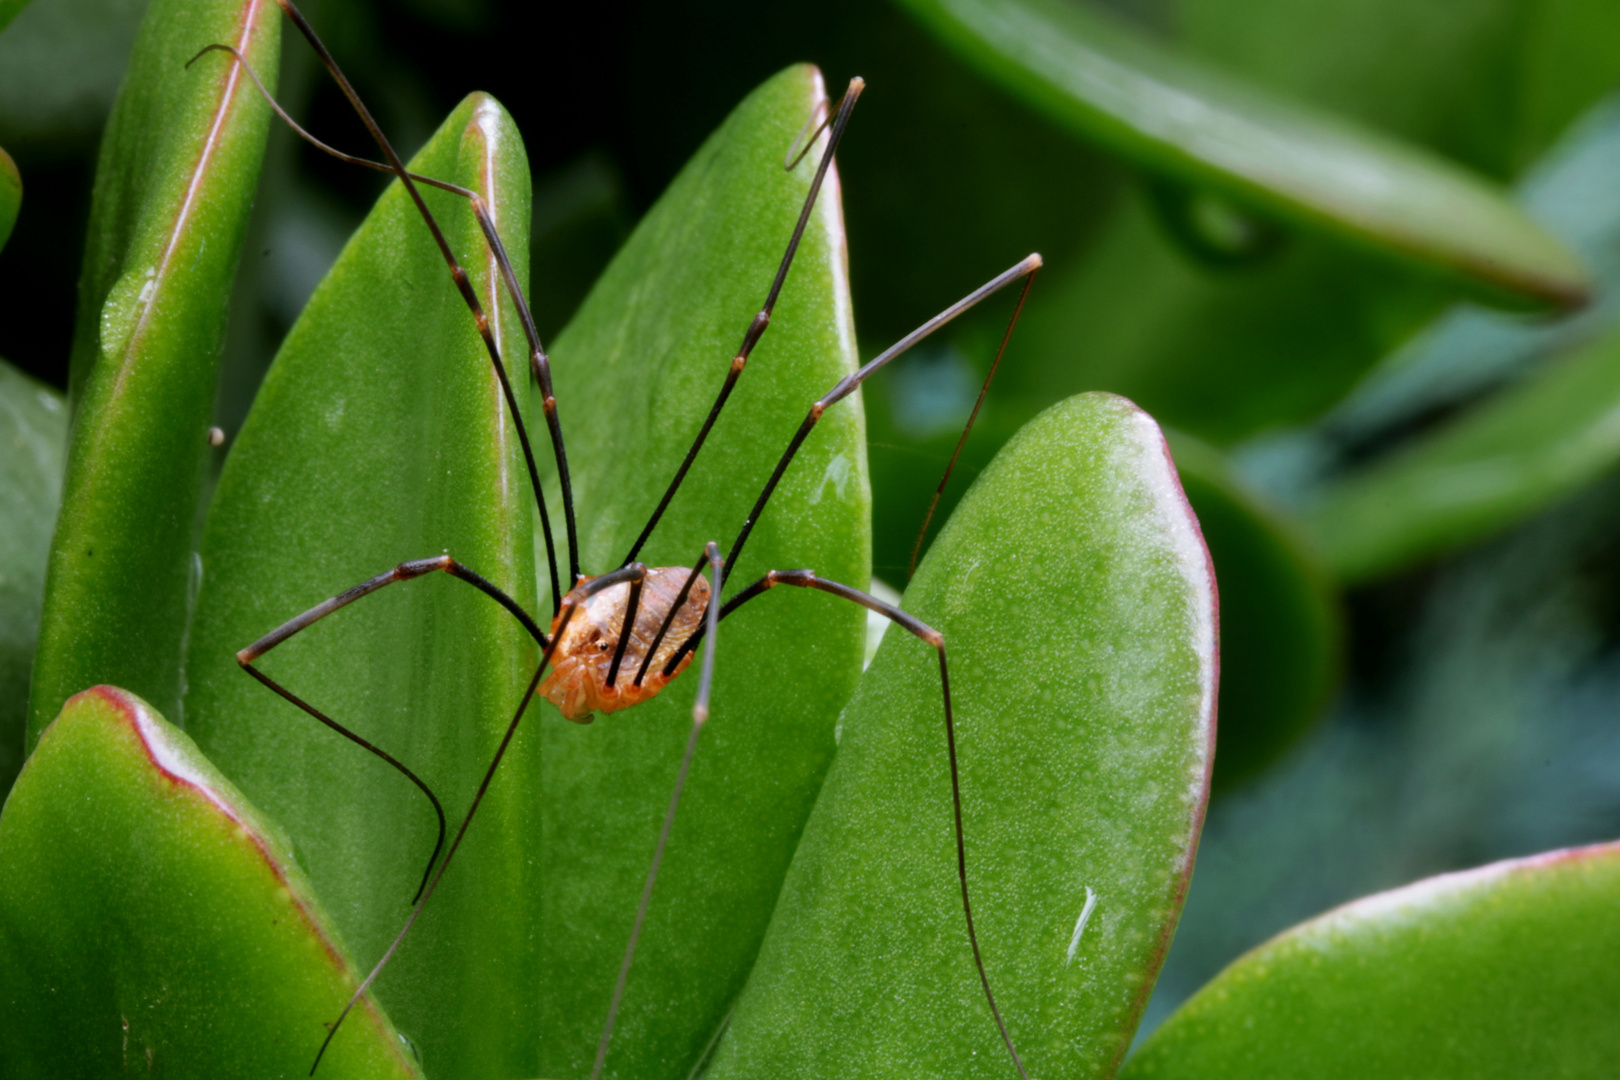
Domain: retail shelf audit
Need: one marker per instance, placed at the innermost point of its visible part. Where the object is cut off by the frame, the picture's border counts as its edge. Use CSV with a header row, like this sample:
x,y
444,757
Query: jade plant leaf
x,y
1485,83
1281,628
637,371
380,435
1077,605
151,922
179,164
1212,131
1522,450
33,442
10,195
1505,971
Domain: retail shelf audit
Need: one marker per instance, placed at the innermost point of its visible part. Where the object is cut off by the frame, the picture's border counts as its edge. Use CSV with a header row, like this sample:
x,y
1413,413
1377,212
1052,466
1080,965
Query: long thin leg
x,y
849,383
539,362
628,623
663,627
576,597
403,572
762,321
807,579
846,386
700,716
916,549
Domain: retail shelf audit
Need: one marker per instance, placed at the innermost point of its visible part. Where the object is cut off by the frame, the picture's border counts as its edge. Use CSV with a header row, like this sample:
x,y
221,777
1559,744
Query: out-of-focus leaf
x,y
637,371
151,923
1172,115
1217,353
381,435
950,180
9,9
60,67
1469,350
1528,447
33,442
179,164
1479,725
1485,82
1281,633
1077,605
1509,970
10,195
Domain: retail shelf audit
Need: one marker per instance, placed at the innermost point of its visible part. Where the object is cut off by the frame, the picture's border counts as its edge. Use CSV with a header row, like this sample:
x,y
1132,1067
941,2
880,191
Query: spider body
x,y
583,680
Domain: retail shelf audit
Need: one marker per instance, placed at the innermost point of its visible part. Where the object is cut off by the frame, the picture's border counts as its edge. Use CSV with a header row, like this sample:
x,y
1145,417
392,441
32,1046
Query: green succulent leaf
x,y
151,923
1521,451
1077,605
1505,971
1281,628
380,435
637,371
178,168
1212,131
1486,83
10,195
33,443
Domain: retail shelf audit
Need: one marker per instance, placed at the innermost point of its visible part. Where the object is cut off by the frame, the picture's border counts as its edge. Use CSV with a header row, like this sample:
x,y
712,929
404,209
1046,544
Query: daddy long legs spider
x,y
652,593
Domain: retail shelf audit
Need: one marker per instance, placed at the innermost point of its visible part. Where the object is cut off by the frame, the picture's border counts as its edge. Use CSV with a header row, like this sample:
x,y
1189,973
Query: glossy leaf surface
x,y
1529,446
151,923
1505,971
1281,628
33,442
1076,601
380,435
1172,115
178,168
637,371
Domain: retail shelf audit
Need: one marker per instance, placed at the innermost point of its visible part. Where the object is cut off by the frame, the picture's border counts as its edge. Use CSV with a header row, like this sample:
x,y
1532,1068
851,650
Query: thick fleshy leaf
x,y
1172,115
179,164
1281,632
1076,600
1469,351
636,373
33,443
1485,82
1530,446
1509,970
1218,352
10,195
151,923
381,435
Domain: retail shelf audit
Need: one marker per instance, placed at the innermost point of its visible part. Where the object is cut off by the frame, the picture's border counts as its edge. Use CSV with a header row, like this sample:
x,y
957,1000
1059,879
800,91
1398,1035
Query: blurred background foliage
x,y
1409,496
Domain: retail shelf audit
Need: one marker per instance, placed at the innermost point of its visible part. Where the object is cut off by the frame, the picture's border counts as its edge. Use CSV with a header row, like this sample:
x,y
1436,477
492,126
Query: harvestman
x,y
668,609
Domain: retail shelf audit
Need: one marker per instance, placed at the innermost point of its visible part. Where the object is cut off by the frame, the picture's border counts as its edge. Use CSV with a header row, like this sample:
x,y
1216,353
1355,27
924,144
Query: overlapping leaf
x,y
381,435
1505,971
1172,115
33,442
179,165
1077,606
636,373
151,923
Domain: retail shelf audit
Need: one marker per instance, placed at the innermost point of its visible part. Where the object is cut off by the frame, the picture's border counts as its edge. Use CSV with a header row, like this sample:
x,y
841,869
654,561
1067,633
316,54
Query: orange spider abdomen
x,y
577,684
